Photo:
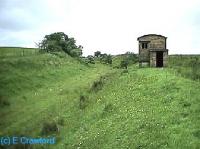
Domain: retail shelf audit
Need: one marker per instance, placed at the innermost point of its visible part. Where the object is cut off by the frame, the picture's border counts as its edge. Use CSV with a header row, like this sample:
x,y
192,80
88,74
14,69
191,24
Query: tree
x,y
59,41
97,54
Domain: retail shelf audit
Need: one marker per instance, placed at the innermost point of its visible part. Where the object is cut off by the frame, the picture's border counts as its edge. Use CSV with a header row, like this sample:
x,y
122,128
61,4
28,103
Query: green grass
x,y
144,108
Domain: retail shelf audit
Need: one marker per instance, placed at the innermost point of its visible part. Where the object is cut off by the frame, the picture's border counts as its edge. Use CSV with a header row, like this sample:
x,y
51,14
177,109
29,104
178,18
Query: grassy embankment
x,y
36,88
144,108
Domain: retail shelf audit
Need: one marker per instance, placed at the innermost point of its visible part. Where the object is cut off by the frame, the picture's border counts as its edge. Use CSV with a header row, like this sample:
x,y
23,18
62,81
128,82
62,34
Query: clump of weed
x,y
97,85
108,108
49,128
4,101
82,101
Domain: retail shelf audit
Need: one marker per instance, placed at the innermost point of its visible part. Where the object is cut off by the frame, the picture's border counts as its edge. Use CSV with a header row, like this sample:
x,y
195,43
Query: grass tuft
x,y
97,85
49,128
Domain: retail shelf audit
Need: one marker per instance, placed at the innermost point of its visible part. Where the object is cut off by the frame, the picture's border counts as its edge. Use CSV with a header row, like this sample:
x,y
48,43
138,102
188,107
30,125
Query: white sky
x,y
110,26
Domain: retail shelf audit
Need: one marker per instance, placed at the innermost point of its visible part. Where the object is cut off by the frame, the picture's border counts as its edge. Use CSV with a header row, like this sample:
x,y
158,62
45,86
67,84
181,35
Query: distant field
x,y
186,65
17,51
97,106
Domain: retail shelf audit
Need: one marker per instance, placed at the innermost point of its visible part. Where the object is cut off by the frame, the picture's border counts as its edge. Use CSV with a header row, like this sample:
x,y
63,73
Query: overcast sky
x,y
111,26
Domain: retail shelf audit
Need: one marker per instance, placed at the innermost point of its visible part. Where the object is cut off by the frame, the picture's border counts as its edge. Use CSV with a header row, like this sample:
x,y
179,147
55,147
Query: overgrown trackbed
x,y
145,108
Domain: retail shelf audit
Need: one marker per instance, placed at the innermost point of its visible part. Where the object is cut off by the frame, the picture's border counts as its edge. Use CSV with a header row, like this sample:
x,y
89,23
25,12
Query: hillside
x,y
95,106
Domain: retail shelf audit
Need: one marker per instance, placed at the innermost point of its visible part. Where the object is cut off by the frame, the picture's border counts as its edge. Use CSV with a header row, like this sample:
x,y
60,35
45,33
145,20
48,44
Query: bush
x,y
131,57
90,59
106,59
76,52
124,64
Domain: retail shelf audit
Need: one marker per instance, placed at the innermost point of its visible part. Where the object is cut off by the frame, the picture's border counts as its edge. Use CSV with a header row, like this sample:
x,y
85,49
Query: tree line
x,y
60,42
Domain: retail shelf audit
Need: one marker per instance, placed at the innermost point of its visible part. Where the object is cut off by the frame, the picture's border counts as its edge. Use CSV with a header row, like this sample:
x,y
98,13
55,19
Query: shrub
x,y
90,59
131,57
106,59
124,64
76,52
